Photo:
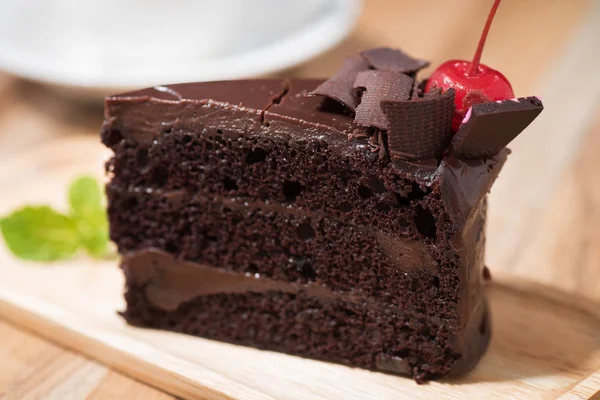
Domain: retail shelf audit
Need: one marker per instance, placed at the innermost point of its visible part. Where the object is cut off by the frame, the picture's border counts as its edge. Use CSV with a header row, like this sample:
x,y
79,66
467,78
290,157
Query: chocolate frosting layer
x,y
144,115
170,282
413,128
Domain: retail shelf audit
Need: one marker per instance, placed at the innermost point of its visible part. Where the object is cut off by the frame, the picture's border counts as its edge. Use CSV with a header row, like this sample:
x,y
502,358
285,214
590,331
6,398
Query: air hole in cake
x,y
377,186
219,131
131,202
364,192
229,184
252,269
186,139
142,158
110,137
416,193
255,156
405,329
305,267
208,146
291,190
381,206
345,207
425,222
171,247
160,176
435,282
167,131
305,231
404,353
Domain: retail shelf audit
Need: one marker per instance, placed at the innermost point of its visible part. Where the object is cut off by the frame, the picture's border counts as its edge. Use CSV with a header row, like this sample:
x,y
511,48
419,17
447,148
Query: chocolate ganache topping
x,y
379,88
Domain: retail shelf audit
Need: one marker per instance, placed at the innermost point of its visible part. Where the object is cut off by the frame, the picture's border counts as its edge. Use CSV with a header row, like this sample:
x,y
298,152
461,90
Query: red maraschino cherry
x,y
473,82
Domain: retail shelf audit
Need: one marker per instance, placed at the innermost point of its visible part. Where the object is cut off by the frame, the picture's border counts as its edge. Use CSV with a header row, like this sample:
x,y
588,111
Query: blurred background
x,y
59,58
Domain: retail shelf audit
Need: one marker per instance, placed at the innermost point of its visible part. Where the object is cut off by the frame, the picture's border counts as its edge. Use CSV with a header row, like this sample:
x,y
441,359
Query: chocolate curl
x,y
420,128
384,58
379,86
340,87
489,127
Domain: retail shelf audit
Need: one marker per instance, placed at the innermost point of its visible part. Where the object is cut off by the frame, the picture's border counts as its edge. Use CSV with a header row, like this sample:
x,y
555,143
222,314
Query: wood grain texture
x,y
33,368
545,341
529,37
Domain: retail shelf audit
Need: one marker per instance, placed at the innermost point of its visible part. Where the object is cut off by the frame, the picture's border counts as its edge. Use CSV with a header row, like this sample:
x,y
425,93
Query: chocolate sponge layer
x,y
346,180
376,337
287,244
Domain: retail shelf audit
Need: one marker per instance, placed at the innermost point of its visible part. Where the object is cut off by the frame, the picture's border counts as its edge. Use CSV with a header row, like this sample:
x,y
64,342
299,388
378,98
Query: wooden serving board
x,y
546,343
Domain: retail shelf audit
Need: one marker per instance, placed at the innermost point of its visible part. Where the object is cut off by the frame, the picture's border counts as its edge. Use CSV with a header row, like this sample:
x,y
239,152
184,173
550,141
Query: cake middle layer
x,y
288,244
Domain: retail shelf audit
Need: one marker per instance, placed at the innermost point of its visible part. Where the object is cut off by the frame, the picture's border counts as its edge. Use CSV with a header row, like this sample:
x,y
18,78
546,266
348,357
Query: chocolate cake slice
x,y
335,220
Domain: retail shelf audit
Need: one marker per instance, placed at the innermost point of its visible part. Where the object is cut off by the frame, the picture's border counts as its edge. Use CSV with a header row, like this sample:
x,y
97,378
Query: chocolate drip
x,y
464,183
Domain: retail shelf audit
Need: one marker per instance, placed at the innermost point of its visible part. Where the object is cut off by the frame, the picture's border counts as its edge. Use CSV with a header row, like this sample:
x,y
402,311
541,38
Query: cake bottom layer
x,y
363,334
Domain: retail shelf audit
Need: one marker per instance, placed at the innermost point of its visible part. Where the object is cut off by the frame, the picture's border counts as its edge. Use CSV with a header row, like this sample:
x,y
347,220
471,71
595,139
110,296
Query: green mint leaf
x,y
85,196
93,231
88,211
40,234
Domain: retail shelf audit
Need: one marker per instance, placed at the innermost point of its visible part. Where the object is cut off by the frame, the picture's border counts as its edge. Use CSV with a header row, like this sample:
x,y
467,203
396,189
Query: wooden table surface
x,y
529,42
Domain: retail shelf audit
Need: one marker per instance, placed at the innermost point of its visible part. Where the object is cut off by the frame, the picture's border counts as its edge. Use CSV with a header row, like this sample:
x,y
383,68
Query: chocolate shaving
x,y
489,127
384,58
340,87
379,86
415,90
420,128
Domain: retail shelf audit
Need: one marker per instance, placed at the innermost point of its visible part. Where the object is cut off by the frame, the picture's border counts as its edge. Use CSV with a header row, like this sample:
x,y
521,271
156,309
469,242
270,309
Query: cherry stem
x,y
474,71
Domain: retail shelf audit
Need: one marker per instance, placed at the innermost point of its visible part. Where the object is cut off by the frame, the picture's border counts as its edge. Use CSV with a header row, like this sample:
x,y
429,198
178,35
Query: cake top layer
x,y
374,95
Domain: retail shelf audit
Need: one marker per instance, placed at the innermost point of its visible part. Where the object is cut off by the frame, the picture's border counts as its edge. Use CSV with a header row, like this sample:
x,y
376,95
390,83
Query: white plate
x,y
99,46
